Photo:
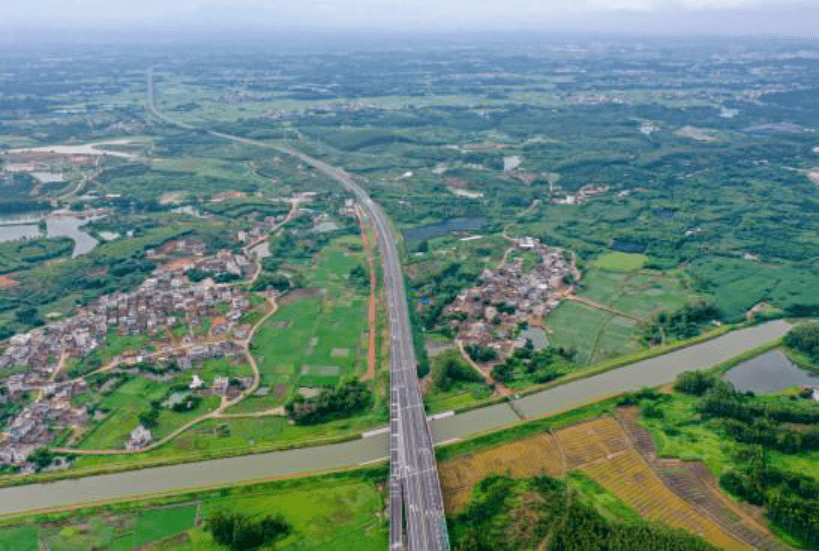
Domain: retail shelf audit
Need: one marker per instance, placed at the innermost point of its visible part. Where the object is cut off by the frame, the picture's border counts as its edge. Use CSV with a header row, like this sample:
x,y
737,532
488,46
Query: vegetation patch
x,y
621,262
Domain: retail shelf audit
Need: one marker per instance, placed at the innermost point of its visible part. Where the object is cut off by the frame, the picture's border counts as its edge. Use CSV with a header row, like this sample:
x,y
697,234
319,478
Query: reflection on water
x,y
769,373
537,336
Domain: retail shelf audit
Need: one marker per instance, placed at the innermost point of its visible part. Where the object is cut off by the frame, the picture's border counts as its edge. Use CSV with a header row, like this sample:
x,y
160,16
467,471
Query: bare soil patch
x,y
298,294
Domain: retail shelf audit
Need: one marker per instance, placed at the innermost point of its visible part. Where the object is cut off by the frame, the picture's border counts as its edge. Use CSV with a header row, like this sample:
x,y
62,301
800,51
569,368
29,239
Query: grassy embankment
x,y
343,511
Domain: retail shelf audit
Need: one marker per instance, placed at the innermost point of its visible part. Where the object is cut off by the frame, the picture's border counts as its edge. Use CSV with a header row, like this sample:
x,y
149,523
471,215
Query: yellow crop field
x,y
618,459
528,457
591,441
630,478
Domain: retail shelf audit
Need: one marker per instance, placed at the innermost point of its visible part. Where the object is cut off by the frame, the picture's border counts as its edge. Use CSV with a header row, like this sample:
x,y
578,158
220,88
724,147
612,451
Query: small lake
x,y
69,226
627,246
442,228
15,232
769,373
27,227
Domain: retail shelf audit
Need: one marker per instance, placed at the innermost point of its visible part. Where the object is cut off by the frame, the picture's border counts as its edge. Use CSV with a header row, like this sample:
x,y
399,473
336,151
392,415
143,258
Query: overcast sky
x,y
751,17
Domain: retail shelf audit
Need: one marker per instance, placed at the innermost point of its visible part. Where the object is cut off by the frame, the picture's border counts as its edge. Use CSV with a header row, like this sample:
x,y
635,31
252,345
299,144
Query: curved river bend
x,y
651,372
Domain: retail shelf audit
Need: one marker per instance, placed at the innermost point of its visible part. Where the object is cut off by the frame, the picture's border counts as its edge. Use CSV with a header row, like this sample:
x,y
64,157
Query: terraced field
x,y
620,456
531,456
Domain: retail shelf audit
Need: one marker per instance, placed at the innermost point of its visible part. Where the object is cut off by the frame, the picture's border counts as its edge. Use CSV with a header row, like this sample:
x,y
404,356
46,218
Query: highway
x,y
413,470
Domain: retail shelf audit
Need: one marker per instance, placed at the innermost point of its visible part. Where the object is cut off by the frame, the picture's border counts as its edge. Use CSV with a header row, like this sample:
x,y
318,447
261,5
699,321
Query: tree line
x,y
348,398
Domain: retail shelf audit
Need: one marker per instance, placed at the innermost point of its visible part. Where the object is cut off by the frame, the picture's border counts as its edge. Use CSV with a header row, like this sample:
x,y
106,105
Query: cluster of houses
x,y
162,302
510,295
182,357
583,194
37,424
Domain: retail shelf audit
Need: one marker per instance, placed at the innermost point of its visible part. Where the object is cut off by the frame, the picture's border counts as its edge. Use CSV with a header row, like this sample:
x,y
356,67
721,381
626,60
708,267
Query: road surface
x,y
414,473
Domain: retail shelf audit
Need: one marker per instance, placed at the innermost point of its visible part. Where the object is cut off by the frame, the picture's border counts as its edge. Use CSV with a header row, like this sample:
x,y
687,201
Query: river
x,y
651,372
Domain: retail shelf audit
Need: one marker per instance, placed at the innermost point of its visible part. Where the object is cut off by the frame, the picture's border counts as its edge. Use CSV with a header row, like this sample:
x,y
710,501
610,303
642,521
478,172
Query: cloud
x,y
405,15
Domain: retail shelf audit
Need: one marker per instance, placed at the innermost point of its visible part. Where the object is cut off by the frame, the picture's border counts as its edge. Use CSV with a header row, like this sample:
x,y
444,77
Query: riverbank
x,y
236,470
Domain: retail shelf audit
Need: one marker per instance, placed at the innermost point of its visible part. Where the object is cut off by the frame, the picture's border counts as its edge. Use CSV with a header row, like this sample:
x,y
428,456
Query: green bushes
x,y
533,513
682,324
239,532
481,354
348,398
805,338
790,499
450,370
359,277
695,383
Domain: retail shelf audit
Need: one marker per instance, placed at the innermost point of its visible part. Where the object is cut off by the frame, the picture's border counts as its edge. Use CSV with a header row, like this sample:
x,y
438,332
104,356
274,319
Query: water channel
x,y
651,372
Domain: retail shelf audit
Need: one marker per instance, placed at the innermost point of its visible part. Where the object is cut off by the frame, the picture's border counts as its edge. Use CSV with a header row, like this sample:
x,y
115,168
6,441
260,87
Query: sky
x,y
762,18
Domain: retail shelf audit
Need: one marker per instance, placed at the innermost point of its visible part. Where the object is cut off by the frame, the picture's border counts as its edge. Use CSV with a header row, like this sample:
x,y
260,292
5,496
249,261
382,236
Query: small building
x,y
196,383
220,385
140,437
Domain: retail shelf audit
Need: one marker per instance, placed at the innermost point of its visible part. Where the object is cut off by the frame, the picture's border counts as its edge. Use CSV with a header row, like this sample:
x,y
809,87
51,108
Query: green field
x,y
598,335
125,404
579,327
236,436
620,262
325,514
316,338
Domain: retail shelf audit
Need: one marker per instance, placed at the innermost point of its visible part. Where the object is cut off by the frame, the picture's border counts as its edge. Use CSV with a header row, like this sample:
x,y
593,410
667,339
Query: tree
x,y
41,457
359,276
695,383
805,338
450,371
29,316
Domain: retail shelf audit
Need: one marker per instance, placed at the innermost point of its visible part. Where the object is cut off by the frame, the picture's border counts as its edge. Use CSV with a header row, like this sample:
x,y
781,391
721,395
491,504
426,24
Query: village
x,y
188,322
511,297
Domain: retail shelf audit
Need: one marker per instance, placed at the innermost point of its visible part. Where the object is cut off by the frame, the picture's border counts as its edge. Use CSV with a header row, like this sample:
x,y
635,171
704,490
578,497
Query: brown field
x,y
7,283
620,455
531,456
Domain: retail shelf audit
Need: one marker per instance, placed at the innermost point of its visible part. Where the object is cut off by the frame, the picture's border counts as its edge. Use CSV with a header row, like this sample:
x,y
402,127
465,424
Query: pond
x,y
442,228
769,373
624,246
15,232
57,225
69,226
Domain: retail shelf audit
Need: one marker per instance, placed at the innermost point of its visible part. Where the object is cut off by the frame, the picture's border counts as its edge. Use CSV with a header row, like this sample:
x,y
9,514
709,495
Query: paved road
x,y
234,470
414,473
